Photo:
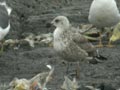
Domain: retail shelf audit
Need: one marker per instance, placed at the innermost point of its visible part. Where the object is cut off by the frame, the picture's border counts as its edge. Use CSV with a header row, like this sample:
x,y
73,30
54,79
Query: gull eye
x,y
57,20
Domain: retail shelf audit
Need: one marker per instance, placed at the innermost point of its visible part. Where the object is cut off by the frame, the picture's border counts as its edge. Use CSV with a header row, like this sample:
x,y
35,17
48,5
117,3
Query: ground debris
x,y
38,82
69,85
31,40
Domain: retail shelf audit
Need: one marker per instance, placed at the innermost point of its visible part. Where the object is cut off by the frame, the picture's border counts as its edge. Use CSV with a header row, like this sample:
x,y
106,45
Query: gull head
x,y
61,22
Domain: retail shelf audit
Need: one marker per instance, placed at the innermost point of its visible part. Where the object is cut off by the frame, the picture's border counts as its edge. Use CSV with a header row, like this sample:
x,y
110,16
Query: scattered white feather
x,y
91,88
49,66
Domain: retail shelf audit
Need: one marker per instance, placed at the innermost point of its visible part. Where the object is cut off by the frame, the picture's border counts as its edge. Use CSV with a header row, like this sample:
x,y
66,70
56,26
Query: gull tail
x,y
98,58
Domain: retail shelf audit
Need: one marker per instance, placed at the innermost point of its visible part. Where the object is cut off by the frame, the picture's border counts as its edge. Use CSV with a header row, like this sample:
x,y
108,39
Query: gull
x,y
5,12
69,43
104,13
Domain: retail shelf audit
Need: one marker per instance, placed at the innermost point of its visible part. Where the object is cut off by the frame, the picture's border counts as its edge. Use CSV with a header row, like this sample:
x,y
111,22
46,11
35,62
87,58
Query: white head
x,y
61,22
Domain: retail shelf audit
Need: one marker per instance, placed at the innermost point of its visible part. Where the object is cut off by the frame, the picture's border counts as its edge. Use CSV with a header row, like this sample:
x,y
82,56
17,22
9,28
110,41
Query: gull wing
x,y
81,41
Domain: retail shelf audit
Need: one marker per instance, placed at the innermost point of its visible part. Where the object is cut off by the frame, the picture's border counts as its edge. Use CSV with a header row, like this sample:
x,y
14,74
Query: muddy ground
x,y
32,16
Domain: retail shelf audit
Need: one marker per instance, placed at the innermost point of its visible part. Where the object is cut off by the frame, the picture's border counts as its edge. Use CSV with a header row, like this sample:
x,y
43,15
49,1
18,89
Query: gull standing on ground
x,y
5,12
104,13
69,43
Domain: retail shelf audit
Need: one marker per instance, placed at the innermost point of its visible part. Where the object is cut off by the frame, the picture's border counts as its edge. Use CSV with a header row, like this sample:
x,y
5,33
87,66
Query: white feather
x,y
59,43
49,66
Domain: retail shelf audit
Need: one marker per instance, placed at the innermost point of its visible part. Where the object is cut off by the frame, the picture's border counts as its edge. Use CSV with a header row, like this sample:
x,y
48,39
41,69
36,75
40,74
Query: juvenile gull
x,y
104,13
5,12
69,43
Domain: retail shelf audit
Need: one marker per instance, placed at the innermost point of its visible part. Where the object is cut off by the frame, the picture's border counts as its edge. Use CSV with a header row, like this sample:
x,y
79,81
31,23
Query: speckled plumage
x,y
69,43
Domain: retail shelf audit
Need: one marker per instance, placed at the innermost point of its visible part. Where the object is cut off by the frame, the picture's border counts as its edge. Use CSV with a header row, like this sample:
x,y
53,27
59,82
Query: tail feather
x,y
98,58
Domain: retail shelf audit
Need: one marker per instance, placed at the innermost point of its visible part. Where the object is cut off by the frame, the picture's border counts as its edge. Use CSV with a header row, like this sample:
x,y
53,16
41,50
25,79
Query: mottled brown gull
x,y
69,43
104,13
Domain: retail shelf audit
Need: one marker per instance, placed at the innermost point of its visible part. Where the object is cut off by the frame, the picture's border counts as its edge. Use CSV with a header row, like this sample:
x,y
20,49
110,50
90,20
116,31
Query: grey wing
x,y
82,42
4,17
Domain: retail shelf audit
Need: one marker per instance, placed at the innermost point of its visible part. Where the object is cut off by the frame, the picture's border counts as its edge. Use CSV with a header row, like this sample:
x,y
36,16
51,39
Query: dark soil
x,y
32,16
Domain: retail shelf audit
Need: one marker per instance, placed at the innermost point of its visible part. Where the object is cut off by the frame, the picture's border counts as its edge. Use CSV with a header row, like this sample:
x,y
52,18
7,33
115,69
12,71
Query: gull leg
x,y
78,70
2,48
100,41
110,45
67,70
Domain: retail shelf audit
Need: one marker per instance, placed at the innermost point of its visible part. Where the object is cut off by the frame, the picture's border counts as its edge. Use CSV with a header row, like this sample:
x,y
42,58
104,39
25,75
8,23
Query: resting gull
x,y
104,13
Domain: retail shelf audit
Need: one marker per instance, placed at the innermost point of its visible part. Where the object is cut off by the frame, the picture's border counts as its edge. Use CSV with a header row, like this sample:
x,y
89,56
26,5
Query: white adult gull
x,y
104,13
69,43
